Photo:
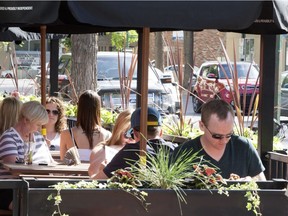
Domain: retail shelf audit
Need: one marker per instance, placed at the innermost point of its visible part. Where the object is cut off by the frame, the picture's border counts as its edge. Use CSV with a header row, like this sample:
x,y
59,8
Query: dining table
x,y
17,169
55,154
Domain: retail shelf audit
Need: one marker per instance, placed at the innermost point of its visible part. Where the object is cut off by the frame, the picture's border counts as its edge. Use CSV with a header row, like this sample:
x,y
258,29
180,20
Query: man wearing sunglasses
x,y
130,152
230,153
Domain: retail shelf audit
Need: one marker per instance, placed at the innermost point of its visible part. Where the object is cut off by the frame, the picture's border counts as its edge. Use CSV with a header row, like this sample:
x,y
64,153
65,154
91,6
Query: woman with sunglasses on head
x,y
233,155
14,141
57,122
88,131
105,151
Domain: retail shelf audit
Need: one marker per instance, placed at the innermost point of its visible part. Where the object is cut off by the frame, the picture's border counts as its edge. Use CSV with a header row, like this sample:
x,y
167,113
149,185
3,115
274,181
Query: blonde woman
x,y
9,113
32,116
57,122
88,131
104,151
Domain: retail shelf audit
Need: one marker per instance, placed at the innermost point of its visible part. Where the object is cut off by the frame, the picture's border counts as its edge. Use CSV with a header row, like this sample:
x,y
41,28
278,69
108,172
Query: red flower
x,y
210,171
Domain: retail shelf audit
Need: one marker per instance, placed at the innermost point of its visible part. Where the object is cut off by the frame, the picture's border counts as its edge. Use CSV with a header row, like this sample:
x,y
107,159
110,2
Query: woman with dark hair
x,y
57,122
88,131
105,151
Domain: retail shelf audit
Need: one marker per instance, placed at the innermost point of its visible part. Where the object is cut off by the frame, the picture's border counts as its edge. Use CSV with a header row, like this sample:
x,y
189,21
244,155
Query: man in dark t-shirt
x,y
130,152
230,153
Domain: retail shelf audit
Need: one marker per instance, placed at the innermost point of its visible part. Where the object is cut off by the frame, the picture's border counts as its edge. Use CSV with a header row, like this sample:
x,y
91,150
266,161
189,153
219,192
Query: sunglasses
x,y
219,136
54,112
129,134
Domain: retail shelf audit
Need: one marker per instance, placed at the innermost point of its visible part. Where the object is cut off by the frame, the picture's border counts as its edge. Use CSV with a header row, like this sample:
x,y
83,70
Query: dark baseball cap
x,y
154,118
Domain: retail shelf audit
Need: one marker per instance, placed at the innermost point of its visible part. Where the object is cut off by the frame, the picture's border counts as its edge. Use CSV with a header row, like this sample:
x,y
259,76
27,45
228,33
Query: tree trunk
x,y
159,50
83,66
188,55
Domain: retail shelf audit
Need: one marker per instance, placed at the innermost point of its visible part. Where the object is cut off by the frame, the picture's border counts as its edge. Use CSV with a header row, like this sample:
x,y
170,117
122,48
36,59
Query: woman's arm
x,y
97,157
65,138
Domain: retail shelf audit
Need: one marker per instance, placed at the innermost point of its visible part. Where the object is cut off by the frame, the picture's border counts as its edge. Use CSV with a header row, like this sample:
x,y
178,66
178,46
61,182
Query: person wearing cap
x,y
131,151
234,155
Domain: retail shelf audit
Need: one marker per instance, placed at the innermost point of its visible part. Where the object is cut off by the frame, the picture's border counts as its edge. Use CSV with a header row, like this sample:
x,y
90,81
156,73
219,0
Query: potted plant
x,y
163,188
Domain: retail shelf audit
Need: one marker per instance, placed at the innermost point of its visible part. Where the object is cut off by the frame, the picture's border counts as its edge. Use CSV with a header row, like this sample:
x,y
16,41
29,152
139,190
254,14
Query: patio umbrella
x,y
23,13
95,16
254,17
17,34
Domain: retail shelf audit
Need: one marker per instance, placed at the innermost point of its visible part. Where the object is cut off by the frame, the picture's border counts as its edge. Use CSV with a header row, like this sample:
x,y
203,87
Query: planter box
x,y
163,202
175,139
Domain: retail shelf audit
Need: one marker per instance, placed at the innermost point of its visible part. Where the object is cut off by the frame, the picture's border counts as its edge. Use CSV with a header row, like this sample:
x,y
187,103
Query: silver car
x,y
117,79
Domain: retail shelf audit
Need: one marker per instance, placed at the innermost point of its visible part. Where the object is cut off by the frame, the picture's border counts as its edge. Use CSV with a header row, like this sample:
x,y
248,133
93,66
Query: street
x,y
25,86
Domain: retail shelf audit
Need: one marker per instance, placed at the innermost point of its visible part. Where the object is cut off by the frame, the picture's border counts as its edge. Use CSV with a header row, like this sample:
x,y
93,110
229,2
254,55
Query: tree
x,y
188,55
83,67
123,40
159,50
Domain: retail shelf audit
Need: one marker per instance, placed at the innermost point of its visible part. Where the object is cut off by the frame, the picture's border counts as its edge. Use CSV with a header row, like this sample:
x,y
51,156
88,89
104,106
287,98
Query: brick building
x,y
206,45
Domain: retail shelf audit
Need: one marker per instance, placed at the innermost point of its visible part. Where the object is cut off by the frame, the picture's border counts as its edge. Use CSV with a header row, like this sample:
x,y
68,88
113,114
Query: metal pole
x,y
43,64
43,71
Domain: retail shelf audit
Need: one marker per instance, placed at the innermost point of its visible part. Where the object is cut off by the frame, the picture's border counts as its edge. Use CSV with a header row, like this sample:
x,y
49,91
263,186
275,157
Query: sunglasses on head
x,y
219,136
54,112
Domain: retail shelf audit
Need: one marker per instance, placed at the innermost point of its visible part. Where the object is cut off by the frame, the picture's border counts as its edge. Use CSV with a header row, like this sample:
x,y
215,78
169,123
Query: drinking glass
x,y
28,152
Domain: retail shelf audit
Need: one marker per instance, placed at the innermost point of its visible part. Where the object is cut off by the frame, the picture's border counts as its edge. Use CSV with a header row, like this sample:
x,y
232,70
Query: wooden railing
x,y
17,186
278,165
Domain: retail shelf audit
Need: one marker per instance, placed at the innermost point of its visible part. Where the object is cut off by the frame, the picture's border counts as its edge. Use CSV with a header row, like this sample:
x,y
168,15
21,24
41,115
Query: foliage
x,y
253,137
122,180
206,178
164,172
30,98
70,109
122,39
125,180
108,117
253,198
187,170
66,42
172,126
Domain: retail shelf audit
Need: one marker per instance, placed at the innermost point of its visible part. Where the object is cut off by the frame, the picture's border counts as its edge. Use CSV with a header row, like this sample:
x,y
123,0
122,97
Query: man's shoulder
x,y
161,142
191,144
131,146
129,149
241,142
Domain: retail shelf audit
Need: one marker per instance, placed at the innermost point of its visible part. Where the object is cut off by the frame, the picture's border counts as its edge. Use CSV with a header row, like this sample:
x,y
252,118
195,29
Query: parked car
x,y
23,72
162,94
212,83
